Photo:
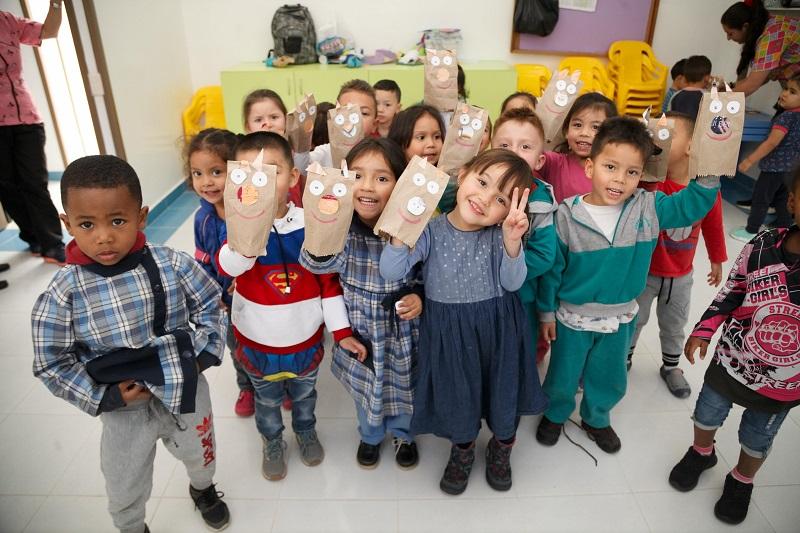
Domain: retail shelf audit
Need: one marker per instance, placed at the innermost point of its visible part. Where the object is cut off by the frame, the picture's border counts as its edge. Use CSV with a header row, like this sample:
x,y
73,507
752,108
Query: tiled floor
x,y
50,479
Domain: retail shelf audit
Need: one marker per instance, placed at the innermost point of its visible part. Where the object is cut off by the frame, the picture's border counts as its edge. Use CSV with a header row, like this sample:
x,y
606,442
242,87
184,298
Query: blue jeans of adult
x,y
269,396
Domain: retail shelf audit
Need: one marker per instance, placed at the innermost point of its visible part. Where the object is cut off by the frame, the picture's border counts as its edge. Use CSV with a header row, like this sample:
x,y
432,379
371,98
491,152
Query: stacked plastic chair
x,y
593,74
532,78
639,77
205,111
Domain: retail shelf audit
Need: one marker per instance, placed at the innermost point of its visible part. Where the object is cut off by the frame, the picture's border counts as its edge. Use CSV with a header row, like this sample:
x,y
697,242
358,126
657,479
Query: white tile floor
x,y
50,477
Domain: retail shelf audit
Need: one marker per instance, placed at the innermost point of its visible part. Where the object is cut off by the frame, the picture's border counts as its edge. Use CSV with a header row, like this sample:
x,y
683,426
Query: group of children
x,y
559,247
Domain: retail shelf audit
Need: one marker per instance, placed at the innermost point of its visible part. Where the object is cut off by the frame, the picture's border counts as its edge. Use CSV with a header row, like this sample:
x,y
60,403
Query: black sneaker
x,y
498,465
732,506
548,432
405,453
55,255
368,455
146,529
4,267
456,473
35,249
606,438
3,284
213,510
686,473
745,204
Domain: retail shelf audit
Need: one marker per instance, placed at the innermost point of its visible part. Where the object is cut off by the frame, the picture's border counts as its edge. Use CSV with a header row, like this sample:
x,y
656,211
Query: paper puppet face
x,y
345,130
717,134
413,201
463,138
328,207
300,124
441,79
555,103
250,204
661,130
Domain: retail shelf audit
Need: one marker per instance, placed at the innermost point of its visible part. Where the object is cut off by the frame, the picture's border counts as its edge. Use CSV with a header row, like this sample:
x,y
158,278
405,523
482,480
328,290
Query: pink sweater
x,y
16,104
566,174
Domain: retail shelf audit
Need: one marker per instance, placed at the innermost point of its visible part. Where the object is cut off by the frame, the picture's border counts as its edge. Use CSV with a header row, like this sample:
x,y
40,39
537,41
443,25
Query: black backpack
x,y
294,35
538,17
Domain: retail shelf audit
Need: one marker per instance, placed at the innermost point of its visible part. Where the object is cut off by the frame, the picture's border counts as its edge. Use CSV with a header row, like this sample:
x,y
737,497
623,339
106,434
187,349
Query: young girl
x,y
419,130
474,341
564,168
381,384
519,99
206,160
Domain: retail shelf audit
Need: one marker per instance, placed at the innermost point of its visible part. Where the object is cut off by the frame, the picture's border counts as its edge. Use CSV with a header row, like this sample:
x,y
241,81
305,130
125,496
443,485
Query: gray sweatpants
x,y
128,448
673,296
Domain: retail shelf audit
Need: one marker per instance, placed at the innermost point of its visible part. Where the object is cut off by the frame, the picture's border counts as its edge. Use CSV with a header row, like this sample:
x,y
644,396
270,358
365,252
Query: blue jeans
x,y
396,425
756,431
269,396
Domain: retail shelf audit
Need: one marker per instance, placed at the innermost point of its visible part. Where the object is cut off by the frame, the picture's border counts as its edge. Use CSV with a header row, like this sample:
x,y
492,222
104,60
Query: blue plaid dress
x,y
388,391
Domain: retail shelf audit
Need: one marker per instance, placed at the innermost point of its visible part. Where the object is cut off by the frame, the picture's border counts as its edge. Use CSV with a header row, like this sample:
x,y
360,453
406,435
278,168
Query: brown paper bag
x,y
662,131
717,134
328,208
300,124
555,103
463,138
250,205
413,201
441,79
345,130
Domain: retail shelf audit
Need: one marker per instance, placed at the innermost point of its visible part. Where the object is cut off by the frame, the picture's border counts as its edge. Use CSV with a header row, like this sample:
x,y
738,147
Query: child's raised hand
x,y
547,330
409,307
516,223
692,344
351,344
715,276
132,391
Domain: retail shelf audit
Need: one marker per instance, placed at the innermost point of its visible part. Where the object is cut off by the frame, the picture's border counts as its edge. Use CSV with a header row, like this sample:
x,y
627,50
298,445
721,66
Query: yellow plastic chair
x,y
593,74
205,111
638,74
532,78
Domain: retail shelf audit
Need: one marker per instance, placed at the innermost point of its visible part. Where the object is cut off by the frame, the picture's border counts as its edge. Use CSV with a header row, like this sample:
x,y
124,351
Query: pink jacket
x,y
16,104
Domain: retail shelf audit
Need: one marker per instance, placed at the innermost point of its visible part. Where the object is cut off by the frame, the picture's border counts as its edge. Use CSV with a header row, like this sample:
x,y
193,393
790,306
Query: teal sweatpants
x,y
600,359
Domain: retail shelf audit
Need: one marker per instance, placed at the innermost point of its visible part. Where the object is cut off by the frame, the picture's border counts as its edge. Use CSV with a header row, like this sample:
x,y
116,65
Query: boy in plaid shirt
x,y
113,336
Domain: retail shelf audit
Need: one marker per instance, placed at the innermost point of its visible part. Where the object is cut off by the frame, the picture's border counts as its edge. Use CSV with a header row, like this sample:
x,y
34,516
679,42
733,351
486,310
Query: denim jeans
x,y
396,425
269,396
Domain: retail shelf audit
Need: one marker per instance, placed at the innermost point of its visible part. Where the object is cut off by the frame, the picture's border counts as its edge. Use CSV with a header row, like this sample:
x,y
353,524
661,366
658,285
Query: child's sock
x,y
738,476
669,361
703,451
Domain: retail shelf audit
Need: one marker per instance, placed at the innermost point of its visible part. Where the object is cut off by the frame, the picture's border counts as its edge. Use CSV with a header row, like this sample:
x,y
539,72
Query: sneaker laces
x,y
307,439
275,449
587,452
397,442
208,498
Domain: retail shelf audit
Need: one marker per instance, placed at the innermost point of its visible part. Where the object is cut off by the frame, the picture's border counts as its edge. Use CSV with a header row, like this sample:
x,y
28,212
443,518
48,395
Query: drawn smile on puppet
x,y
247,195
443,78
416,206
329,203
720,129
468,129
348,126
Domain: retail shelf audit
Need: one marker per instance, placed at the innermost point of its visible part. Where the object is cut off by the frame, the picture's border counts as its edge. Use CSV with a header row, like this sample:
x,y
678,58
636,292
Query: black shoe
x,y
368,455
606,438
732,506
498,465
3,284
686,473
548,432
4,267
745,204
146,529
55,255
213,510
459,467
405,453
629,364
35,249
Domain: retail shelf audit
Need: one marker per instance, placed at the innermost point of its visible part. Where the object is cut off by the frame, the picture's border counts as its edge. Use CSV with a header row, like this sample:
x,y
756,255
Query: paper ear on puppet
x,y
413,201
717,134
441,80
345,130
661,131
555,103
250,205
463,139
328,208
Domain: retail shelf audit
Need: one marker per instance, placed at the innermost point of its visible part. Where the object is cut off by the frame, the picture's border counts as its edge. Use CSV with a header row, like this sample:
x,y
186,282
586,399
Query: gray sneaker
x,y
273,462
311,451
675,381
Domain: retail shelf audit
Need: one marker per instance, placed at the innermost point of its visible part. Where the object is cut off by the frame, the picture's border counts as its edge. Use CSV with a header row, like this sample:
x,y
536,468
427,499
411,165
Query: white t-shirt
x,y
605,216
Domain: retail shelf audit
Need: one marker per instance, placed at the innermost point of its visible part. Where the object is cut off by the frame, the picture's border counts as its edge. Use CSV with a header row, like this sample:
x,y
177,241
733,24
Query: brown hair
x,y
221,143
266,140
517,172
259,95
520,114
528,96
358,86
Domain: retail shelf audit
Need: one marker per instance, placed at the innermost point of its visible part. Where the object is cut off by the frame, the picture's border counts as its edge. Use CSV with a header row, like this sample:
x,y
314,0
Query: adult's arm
x,y
53,20
753,82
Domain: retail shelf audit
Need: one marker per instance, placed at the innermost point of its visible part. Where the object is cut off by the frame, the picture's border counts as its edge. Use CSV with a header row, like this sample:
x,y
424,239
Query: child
x,y
474,345
587,302
387,94
381,386
670,279
697,72
125,331
756,364
777,156
486,140
206,156
517,100
678,83
419,130
564,168
278,312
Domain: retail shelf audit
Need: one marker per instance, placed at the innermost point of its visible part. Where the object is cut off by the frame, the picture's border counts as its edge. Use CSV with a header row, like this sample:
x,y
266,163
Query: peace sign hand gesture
x,y
516,223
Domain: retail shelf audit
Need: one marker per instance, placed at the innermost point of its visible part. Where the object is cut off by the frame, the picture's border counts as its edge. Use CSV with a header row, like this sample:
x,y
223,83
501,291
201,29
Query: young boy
x,y
125,331
678,83
387,94
587,302
756,364
670,279
697,72
278,312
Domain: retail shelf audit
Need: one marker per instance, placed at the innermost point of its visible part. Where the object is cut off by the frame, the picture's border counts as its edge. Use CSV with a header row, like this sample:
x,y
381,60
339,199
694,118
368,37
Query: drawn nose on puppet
x,y
248,194
348,126
442,74
466,132
328,204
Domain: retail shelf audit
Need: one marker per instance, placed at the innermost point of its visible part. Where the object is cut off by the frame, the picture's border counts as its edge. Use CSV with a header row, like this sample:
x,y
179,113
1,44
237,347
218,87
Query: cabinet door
x,y
240,81
409,78
488,87
324,81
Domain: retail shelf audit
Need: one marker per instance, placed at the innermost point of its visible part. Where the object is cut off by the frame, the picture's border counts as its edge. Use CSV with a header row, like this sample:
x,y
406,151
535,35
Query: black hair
x,y
219,142
696,68
388,85
585,101
623,130
461,81
100,172
259,95
517,172
320,134
266,140
388,149
687,120
528,96
755,16
402,129
677,69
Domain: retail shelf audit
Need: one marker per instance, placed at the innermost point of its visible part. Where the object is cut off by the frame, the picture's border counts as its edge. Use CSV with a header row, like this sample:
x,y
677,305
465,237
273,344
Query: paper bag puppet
x,y
556,101
413,201
441,80
717,134
300,124
345,130
661,130
250,205
463,139
328,207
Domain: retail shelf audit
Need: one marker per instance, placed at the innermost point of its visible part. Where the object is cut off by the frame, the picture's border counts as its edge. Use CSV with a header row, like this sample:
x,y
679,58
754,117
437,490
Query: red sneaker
x,y
245,404
287,403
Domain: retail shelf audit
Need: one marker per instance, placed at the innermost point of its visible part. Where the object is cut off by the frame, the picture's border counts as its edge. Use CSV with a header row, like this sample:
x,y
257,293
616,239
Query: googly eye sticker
x,y
418,179
340,189
561,99
477,124
339,120
354,118
312,110
316,187
663,134
432,187
238,176
416,206
561,85
447,60
436,61
259,179
302,116
733,107
715,106
464,119
572,88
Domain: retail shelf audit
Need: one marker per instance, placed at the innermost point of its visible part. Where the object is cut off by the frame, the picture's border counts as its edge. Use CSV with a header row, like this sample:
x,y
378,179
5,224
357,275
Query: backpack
x,y
294,35
537,17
